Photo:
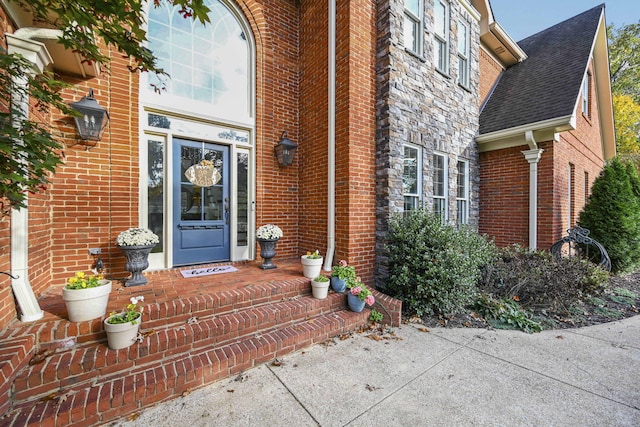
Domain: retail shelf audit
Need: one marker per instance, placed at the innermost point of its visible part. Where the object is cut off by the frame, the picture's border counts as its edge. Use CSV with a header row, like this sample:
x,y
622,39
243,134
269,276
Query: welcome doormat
x,y
207,271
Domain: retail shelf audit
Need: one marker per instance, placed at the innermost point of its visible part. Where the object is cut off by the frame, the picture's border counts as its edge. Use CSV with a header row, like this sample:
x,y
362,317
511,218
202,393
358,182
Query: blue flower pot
x,y
355,303
338,285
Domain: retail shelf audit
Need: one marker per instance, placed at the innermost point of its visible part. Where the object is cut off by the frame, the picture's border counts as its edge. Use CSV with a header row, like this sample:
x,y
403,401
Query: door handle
x,y
226,210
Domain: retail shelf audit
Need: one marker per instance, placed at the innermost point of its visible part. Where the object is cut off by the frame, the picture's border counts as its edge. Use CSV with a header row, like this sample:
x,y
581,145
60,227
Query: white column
x,y
533,157
31,311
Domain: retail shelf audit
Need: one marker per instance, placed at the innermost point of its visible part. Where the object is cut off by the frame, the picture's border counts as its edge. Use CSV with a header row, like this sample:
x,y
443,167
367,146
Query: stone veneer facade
x,y
419,105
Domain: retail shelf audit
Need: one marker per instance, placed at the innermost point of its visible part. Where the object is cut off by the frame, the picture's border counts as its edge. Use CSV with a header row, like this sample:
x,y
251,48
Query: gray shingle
x,y
547,84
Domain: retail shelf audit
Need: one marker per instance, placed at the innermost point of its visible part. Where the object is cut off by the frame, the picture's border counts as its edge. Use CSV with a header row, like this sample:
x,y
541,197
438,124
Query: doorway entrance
x,y
202,205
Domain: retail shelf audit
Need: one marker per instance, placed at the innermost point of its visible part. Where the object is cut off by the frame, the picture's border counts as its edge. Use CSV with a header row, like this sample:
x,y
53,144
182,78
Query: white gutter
x,y
331,166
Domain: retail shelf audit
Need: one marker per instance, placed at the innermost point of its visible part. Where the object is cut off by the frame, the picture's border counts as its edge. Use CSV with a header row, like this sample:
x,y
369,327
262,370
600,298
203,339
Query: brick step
x,y
80,364
62,333
131,385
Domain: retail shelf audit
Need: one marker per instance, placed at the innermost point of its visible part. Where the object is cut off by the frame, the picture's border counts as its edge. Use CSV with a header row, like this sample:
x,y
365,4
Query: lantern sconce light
x,y
92,119
285,150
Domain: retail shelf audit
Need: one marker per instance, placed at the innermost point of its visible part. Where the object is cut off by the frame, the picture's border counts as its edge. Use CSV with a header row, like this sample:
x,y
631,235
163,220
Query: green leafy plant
x,y
505,314
433,268
82,281
343,271
131,313
321,278
375,316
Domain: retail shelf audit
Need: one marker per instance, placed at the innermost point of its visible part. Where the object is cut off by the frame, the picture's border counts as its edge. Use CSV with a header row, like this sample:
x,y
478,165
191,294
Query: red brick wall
x,y
504,196
355,135
313,123
275,29
490,70
586,141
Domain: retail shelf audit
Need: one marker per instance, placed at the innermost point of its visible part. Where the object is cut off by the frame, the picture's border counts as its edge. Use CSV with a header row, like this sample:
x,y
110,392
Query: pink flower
x,y
370,300
355,291
343,263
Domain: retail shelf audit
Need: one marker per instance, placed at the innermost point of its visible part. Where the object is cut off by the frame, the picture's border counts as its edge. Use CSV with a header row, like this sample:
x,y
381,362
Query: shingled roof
x,y
547,84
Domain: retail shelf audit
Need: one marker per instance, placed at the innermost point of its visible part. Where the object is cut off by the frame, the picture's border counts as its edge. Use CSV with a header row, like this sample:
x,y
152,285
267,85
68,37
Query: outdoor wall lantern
x,y
285,150
93,117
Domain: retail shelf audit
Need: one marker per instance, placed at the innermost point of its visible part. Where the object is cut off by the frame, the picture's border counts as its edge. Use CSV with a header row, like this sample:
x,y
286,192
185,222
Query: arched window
x,y
208,64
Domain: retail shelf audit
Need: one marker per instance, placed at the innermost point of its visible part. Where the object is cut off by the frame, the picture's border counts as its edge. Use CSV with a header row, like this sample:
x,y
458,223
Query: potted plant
x,y
320,286
341,274
358,295
311,264
267,236
122,328
136,244
86,297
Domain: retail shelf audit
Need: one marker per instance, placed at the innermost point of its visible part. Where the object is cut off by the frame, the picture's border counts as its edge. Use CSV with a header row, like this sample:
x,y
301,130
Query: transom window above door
x,y
208,64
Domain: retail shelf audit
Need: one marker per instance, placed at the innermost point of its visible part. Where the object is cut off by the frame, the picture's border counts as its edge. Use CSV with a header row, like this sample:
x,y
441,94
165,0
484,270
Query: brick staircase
x,y
196,331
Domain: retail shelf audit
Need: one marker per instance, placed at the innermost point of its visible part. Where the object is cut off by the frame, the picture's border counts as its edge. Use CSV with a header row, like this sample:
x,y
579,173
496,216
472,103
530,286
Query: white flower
x,y
137,237
269,232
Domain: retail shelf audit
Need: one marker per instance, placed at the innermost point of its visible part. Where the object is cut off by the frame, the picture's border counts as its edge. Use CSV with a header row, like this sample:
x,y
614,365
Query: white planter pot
x,y
320,289
311,267
121,335
87,304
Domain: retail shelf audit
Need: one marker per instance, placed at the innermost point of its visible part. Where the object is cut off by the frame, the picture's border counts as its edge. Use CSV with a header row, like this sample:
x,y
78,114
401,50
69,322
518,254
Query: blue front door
x,y
201,202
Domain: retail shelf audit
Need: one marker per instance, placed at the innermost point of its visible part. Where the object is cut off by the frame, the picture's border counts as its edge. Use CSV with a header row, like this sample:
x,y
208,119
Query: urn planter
x,y
267,252
87,304
137,261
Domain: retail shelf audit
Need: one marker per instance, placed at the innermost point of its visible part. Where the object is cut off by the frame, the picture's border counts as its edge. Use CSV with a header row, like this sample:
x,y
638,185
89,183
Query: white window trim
x,y
445,196
465,214
443,39
418,193
464,78
418,25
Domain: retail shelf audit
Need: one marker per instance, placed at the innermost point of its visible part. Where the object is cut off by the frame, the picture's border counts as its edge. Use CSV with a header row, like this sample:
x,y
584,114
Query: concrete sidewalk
x,y
443,377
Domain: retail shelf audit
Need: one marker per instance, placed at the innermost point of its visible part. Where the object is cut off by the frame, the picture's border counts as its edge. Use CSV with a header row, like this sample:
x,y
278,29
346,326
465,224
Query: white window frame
x,y
442,198
462,200
417,196
464,64
413,37
441,41
586,83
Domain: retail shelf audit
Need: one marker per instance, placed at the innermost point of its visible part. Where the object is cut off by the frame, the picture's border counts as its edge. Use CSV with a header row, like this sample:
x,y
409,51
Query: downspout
x,y
533,157
331,179
21,42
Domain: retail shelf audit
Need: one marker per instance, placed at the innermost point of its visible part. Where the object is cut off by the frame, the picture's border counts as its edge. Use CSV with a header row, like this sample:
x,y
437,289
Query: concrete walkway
x,y
443,377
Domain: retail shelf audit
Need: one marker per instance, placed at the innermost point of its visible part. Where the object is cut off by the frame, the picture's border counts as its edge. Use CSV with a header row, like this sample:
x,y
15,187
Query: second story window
x,y
413,26
586,83
441,36
463,54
